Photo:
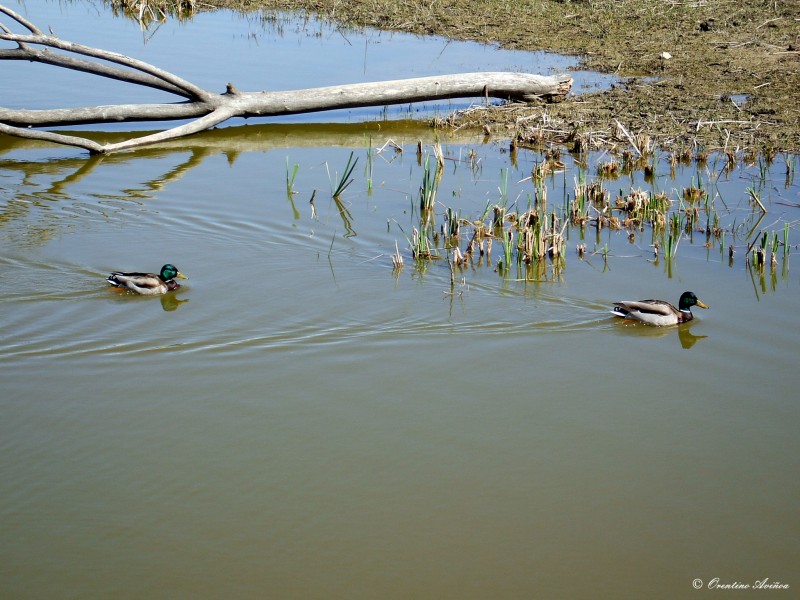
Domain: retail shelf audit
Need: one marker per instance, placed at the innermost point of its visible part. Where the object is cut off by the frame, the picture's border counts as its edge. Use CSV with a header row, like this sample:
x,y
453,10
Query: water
x,y
299,421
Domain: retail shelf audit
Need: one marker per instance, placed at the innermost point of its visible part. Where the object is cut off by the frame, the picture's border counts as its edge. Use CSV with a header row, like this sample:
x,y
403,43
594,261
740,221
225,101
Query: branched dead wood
x,y
207,109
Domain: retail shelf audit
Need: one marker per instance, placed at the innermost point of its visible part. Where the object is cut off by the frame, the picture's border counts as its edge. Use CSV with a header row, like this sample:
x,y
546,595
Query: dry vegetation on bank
x,y
718,48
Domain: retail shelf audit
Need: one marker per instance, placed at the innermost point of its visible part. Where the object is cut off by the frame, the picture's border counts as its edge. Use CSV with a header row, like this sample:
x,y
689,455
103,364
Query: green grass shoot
x,y
290,177
345,180
427,191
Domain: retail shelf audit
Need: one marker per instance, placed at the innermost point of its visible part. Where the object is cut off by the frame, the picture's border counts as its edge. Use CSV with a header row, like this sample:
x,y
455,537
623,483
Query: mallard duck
x,y
148,284
658,312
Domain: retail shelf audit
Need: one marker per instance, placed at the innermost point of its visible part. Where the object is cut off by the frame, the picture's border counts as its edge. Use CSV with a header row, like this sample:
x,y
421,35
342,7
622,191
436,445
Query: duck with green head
x,y
658,312
148,284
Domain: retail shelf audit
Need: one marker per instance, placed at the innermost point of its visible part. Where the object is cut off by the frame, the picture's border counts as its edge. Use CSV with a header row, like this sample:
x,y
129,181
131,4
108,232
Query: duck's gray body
x,y
148,284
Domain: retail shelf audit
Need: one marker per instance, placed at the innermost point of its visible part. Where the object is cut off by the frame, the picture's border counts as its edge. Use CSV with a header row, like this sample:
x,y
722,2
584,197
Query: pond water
x,y
301,420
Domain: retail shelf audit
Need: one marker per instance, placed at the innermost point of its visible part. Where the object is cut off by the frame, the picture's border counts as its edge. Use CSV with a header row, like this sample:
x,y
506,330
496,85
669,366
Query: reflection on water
x,y
683,332
169,301
313,424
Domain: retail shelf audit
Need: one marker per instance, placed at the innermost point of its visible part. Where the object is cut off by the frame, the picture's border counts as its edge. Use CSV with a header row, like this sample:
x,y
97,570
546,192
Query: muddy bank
x,y
731,80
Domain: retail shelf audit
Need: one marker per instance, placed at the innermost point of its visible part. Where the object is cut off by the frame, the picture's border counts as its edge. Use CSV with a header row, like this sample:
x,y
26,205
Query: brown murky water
x,y
299,421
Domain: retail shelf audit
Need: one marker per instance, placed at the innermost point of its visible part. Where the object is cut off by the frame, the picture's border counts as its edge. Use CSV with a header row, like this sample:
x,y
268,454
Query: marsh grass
x,y
368,168
503,187
422,245
429,186
760,251
676,229
290,177
608,169
786,240
695,193
508,252
452,224
397,258
345,180
533,238
642,207
791,168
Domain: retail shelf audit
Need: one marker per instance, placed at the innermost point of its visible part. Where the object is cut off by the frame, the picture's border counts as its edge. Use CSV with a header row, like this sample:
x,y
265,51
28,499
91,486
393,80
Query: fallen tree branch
x,y
209,109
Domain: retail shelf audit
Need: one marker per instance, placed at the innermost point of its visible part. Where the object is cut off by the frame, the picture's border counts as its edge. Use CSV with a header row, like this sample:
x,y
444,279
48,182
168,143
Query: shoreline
x,y
691,102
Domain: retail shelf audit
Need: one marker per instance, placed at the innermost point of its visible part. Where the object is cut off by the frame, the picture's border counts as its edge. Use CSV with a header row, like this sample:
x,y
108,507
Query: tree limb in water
x,y
208,109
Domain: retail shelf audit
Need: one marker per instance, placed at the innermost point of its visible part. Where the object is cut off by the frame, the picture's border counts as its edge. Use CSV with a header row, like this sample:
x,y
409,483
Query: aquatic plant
x,y
369,166
430,184
608,169
540,171
452,225
422,248
760,251
754,197
775,244
673,236
730,160
290,178
791,168
344,181
508,250
642,207
498,216
579,209
420,243
785,240
535,238
397,258
459,259
695,193
311,204
439,154
503,187
645,144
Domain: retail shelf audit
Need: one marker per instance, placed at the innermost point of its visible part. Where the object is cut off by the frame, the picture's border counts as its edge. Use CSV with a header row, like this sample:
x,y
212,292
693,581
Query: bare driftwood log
x,y
208,109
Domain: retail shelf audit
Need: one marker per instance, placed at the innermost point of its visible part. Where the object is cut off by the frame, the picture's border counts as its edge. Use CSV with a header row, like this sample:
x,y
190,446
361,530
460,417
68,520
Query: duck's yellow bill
x,y
180,275
701,305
